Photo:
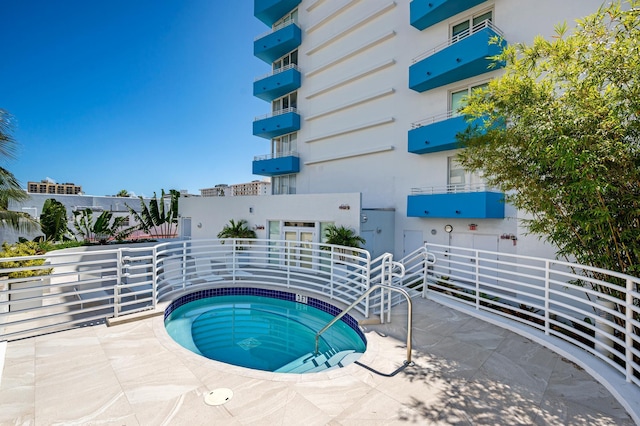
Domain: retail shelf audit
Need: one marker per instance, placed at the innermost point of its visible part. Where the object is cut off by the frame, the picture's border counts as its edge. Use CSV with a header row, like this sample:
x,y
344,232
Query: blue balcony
x,y
270,11
277,84
277,124
277,43
269,165
424,13
436,136
466,56
451,205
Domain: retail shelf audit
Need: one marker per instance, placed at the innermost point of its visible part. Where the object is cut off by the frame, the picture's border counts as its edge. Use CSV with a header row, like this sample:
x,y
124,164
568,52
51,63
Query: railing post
x,y
629,330
547,294
154,276
116,288
184,264
477,274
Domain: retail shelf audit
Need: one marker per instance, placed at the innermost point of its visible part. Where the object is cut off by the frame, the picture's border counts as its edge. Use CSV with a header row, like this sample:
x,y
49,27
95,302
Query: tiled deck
x,y
466,372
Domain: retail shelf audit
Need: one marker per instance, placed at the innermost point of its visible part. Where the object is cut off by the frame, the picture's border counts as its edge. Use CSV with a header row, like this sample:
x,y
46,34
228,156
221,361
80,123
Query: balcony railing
x,y
459,37
278,71
275,28
434,119
452,189
273,156
275,113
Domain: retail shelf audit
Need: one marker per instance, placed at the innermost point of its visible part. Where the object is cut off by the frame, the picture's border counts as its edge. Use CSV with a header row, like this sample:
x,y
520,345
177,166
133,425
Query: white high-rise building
x,y
360,111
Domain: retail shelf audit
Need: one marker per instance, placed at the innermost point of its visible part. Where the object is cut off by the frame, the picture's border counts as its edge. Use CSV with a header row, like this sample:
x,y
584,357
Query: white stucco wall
x,y
210,214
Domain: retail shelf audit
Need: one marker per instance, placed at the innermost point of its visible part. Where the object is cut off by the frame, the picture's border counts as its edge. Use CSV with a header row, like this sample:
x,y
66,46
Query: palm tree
x,y
342,236
9,186
123,193
237,229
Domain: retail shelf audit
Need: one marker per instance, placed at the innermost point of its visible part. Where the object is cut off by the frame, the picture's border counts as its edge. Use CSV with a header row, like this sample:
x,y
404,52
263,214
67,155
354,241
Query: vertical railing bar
x,y
547,295
629,331
477,276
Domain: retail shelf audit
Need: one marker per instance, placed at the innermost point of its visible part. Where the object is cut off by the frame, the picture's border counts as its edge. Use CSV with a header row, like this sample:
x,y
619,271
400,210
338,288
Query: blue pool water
x,y
263,333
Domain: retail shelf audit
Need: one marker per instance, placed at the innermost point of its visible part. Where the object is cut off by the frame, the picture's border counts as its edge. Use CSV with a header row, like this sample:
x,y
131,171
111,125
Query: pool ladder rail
x,y
360,299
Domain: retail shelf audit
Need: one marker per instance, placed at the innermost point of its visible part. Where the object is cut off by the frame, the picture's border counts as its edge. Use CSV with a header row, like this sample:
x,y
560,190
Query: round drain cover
x,y
218,396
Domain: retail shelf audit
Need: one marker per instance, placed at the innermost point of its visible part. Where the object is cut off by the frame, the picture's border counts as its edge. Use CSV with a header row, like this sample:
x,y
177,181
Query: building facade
x,y
363,97
47,187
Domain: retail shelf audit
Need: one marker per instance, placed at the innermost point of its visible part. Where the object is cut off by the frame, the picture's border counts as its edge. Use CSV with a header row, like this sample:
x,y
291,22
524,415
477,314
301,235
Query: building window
x,y
286,19
284,145
458,98
460,180
290,58
287,101
282,185
461,29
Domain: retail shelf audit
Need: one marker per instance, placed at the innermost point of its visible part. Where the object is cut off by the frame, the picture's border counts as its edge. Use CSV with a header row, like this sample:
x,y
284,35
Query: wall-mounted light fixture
x,y
473,227
344,207
448,229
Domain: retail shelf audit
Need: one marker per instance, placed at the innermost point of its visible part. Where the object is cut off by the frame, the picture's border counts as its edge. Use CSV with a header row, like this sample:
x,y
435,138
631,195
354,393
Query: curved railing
x,y
588,314
332,271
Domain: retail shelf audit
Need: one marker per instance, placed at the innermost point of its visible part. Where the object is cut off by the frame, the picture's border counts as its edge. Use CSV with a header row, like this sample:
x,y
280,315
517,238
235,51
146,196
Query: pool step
x,y
310,362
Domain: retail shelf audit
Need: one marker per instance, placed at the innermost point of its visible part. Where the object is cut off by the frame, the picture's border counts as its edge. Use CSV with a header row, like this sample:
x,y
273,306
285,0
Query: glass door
x,y
299,247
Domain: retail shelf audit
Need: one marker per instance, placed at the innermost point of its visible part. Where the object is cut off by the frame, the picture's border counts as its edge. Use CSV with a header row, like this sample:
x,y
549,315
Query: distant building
x,y
219,190
48,187
256,187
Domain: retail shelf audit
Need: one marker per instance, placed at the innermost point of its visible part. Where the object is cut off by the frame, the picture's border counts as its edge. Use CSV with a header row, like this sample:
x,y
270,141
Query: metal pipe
x,y
359,299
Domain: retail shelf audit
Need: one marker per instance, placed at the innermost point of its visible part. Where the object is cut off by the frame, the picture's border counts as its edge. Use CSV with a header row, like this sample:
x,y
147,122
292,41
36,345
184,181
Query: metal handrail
x,y
359,299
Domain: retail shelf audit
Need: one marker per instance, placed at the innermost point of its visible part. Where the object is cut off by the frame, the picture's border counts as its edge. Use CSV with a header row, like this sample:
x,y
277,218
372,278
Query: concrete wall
x,y
210,214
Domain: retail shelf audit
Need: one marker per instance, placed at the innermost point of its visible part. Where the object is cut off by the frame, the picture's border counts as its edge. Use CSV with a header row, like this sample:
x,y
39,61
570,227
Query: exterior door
x,y
299,252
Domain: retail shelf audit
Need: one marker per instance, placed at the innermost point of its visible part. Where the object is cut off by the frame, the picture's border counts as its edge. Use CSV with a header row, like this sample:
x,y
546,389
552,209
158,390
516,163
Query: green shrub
x,y
28,248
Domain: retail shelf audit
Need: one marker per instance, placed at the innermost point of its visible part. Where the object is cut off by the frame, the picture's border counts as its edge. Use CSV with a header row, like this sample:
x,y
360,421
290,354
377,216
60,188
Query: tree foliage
x,y
53,220
10,189
154,219
102,229
236,229
570,153
27,248
342,236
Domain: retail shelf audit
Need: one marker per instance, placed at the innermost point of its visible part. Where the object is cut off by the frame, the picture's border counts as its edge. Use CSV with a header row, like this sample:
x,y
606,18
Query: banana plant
x,y
154,219
102,229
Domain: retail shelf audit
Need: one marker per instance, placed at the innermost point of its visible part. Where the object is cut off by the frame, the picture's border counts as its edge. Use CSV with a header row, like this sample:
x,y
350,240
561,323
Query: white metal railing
x,y
435,119
276,113
275,28
458,37
76,287
275,155
452,189
278,71
594,309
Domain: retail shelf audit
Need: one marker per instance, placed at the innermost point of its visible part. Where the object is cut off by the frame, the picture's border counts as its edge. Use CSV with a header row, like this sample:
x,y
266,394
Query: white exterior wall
x,y
370,153
210,214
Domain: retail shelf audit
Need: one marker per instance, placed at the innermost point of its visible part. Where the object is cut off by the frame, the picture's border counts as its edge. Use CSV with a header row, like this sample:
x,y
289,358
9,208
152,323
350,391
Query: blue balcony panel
x,y
463,205
439,136
278,43
270,11
468,57
424,13
276,125
277,85
277,166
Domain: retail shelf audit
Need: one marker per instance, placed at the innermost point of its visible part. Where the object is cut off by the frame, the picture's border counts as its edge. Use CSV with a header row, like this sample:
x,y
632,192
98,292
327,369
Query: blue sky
x,y
140,95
